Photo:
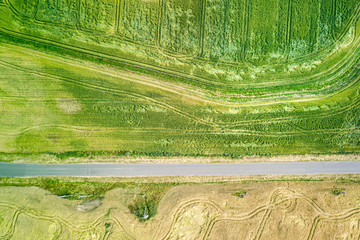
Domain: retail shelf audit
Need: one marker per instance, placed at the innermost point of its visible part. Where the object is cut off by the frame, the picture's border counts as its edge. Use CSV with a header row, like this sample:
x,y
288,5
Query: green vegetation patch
x,y
144,205
338,191
240,194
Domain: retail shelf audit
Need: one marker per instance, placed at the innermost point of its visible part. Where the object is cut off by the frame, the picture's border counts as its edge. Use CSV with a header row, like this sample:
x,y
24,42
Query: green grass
x,y
191,37
191,78
72,188
122,115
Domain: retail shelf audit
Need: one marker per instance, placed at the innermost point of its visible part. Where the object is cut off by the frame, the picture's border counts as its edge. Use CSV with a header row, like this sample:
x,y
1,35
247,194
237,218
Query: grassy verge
x,y
134,157
75,188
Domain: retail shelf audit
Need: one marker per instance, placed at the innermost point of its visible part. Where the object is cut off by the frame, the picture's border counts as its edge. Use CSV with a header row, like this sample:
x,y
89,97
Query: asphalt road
x,y
137,170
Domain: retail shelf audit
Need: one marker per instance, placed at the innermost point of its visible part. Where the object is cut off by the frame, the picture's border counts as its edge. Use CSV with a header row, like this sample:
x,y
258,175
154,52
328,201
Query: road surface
x,y
138,170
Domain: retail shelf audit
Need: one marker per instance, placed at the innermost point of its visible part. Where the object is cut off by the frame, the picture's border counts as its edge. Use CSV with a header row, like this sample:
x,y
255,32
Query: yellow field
x,y
270,210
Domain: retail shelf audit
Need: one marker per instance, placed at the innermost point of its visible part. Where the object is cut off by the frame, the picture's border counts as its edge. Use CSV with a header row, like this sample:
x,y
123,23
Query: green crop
x,y
179,78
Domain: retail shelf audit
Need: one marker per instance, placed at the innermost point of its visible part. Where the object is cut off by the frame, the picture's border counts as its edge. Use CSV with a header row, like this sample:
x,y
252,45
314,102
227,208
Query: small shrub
x,y
239,194
337,191
143,207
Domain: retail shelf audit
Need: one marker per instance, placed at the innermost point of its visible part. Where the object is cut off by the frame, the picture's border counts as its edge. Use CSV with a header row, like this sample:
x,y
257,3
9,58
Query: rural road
x,y
138,170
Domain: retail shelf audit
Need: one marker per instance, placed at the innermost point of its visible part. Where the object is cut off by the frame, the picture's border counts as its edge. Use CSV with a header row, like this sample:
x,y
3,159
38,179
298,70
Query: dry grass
x,y
282,208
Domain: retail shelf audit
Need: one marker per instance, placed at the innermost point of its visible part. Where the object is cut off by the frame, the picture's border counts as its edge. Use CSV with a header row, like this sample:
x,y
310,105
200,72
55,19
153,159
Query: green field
x,y
163,78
